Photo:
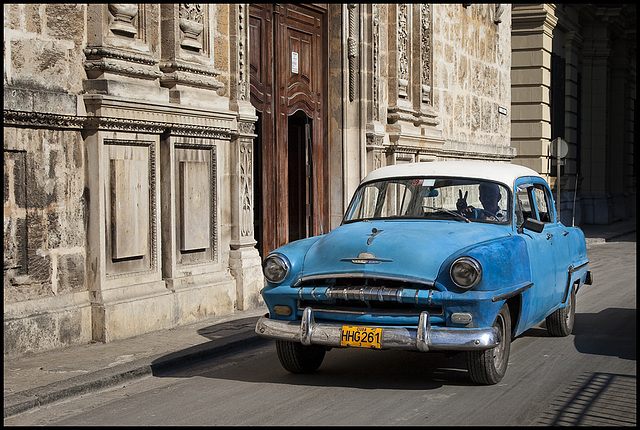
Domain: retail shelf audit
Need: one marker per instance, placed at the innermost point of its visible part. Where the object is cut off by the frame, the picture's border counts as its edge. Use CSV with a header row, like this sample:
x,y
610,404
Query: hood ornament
x,y
374,232
366,258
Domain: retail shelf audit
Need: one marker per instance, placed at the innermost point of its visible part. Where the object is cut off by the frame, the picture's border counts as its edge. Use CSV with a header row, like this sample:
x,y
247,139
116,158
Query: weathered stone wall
x,y
472,83
416,82
125,179
44,235
46,302
43,46
46,212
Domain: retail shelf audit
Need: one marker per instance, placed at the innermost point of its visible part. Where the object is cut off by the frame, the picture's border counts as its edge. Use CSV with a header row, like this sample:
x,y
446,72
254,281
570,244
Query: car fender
x,y
505,266
506,274
295,253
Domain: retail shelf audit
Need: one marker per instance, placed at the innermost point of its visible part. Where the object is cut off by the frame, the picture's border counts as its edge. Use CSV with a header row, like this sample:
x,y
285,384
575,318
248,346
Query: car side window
x,y
523,206
543,203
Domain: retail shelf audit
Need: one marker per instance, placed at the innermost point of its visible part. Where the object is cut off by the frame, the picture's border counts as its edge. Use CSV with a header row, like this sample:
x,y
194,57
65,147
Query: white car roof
x,y
493,171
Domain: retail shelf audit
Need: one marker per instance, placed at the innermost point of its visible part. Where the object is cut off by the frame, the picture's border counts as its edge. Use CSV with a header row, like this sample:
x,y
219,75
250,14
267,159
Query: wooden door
x,y
288,79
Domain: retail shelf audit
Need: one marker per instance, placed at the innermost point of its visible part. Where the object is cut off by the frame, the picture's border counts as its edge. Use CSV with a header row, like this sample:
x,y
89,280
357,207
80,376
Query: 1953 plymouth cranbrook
x,y
438,256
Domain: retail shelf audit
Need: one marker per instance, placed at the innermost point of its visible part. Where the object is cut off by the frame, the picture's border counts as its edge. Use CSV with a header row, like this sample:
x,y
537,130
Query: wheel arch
x,y
515,309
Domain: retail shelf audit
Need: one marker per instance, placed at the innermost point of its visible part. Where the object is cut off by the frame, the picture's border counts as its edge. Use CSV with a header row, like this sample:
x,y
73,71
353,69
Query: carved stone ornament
x,y
403,61
243,85
123,14
100,59
500,8
425,45
352,50
246,187
191,18
376,66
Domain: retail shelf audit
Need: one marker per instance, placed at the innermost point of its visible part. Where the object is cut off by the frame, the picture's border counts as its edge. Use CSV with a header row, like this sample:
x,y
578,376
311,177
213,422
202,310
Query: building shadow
x,y
595,399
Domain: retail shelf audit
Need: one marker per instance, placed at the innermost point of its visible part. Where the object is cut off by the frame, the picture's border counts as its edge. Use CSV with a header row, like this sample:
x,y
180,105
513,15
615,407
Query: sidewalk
x,y
37,379
602,233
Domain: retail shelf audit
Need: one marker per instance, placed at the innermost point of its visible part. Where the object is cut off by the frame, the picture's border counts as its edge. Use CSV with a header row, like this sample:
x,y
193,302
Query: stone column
x,y
128,295
244,259
620,115
375,58
571,206
595,122
531,40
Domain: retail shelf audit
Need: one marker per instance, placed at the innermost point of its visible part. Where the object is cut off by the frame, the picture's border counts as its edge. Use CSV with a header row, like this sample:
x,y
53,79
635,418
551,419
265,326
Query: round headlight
x,y
466,272
275,268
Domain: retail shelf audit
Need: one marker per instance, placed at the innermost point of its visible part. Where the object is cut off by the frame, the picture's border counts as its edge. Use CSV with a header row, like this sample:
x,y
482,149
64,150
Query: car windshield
x,y
464,200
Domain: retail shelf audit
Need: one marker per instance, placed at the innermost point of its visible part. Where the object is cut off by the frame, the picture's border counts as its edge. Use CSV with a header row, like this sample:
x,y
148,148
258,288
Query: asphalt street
x,y
36,380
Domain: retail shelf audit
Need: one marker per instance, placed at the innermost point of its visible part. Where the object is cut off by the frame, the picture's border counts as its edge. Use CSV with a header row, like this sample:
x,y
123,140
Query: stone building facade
x,y
127,185
574,78
154,152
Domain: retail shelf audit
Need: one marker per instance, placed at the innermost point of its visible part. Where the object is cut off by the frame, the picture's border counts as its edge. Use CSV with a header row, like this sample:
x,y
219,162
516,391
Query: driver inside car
x,y
489,195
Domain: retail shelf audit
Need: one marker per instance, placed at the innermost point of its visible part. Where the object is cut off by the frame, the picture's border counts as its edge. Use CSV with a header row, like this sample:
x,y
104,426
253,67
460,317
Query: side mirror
x,y
532,224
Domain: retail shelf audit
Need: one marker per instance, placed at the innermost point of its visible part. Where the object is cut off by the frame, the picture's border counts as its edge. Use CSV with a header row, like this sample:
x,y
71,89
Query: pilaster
x,y
532,40
187,56
244,259
411,119
123,52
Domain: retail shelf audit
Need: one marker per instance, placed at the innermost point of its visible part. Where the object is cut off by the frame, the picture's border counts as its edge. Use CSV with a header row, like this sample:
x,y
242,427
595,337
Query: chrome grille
x,y
382,294
359,295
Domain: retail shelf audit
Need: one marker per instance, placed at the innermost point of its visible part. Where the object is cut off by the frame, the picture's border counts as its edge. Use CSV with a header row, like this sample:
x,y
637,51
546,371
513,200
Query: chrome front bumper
x,y
423,338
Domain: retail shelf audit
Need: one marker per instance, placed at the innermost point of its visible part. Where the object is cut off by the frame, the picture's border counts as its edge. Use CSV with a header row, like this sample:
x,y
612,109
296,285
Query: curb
x,y
29,399
608,237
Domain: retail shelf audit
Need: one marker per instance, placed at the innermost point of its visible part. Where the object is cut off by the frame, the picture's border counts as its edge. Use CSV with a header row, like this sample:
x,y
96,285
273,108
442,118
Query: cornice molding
x,y
54,121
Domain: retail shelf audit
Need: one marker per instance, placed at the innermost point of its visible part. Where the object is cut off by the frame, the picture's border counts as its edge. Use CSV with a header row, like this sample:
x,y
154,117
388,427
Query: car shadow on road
x,y
610,332
398,370
254,359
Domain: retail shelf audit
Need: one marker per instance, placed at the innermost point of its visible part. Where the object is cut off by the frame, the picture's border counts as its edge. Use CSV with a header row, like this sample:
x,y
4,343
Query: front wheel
x,y
560,323
489,366
298,358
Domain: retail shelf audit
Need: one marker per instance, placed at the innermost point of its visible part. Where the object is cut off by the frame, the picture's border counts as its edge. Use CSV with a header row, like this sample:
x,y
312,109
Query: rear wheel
x,y
560,323
298,358
489,366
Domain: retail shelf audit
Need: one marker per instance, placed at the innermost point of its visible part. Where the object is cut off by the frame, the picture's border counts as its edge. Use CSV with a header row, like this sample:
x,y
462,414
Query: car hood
x,y
406,249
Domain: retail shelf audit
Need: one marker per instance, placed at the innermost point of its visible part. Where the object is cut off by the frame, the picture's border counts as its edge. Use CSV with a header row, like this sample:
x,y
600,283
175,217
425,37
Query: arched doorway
x,y
288,86
300,168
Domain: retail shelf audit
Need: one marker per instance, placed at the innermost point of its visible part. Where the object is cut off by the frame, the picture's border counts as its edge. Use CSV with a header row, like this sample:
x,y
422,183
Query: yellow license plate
x,y
362,337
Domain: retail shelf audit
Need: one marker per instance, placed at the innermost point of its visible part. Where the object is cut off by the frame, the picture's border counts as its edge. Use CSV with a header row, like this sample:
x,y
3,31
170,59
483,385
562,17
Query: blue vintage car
x,y
438,256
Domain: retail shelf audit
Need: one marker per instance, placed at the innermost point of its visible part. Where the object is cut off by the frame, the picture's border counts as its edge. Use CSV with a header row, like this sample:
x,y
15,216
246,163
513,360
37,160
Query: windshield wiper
x,y
449,212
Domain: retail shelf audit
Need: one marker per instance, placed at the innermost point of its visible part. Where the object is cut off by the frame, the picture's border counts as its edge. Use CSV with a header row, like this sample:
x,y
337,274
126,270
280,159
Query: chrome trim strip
x,y
575,269
570,271
363,276
505,296
422,338
376,312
